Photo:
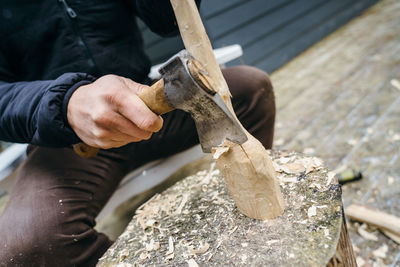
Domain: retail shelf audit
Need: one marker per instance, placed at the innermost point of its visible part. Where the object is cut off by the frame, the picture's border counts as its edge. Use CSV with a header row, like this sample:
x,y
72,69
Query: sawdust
x,y
196,222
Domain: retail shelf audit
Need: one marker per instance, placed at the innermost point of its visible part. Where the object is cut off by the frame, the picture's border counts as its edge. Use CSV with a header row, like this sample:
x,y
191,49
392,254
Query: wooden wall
x,y
271,32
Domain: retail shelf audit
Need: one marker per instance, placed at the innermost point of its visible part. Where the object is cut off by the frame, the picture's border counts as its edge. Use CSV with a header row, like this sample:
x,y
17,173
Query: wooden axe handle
x,y
153,97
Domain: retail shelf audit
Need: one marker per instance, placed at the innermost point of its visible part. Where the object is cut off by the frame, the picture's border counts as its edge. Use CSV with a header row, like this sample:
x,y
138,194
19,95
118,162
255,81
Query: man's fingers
x,y
119,124
137,88
135,110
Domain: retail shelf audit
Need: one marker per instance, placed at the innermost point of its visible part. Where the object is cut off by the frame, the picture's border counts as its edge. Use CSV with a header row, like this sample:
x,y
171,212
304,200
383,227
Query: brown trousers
x,y
51,213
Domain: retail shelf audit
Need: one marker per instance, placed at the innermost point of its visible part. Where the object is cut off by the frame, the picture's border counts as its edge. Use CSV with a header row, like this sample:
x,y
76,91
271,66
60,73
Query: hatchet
x,y
186,85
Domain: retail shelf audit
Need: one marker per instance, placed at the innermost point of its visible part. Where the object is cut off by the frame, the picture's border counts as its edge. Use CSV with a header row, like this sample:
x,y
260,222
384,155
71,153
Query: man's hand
x,y
108,113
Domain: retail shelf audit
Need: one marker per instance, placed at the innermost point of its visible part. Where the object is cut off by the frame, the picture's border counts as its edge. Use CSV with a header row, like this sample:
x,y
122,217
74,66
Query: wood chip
x,y
202,248
170,245
123,254
289,180
192,263
360,261
143,256
331,175
152,245
395,83
312,211
309,150
326,232
169,257
381,252
218,151
365,234
183,202
279,142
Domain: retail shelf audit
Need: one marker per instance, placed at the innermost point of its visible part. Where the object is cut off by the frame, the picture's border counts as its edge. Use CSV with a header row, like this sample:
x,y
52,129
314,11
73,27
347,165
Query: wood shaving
x,y
202,248
183,202
395,83
331,175
123,254
150,223
315,185
352,142
270,242
170,245
309,151
279,142
396,137
312,211
210,174
124,265
192,263
218,151
234,229
143,256
365,234
152,245
360,261
291,165
292,168
284,160
169,257
381,252
289,180
326,232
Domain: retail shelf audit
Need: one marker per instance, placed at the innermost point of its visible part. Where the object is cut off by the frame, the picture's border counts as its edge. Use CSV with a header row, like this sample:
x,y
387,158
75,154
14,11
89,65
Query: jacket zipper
x,y
71,18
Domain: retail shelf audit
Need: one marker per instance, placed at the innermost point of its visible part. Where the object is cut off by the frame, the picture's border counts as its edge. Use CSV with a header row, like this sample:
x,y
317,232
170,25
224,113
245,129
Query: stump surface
x,y
196,222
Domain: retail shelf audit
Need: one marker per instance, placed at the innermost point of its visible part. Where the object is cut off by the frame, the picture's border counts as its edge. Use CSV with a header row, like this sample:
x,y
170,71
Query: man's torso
x,y
44,39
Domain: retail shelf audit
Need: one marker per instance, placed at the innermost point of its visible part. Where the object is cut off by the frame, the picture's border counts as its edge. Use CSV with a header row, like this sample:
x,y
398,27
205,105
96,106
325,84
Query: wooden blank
x,y
247,168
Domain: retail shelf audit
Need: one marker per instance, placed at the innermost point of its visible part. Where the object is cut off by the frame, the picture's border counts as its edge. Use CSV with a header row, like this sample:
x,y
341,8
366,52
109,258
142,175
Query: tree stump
x,y
195,222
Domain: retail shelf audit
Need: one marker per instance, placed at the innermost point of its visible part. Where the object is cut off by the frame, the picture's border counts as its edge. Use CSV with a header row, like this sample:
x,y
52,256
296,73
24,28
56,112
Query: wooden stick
x,y
382,220
247,168
393,236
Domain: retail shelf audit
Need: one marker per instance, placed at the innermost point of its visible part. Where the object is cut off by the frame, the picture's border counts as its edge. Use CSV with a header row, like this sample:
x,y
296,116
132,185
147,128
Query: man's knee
x,y
52,241
249,84
253,101
23,242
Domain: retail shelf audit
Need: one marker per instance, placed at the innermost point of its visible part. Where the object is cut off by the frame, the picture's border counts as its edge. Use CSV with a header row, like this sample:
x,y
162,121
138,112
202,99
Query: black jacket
x,y
48,48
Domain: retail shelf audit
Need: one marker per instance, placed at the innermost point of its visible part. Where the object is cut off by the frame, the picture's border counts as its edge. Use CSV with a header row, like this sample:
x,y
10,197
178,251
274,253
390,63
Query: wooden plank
x,y
255,53
301,42
368,98
262,26
346,47
377,156
211,8
329,81
162,51
234,18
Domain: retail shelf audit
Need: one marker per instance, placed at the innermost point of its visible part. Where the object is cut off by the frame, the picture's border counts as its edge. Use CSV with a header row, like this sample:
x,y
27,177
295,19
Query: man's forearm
x,y
34,112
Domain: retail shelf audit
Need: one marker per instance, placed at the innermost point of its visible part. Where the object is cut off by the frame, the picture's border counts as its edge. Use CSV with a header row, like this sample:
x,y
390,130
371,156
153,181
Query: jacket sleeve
x,y
35,112
158,15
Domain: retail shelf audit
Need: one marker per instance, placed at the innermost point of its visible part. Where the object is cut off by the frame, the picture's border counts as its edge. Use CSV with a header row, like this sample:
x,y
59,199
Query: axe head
x,y
188,89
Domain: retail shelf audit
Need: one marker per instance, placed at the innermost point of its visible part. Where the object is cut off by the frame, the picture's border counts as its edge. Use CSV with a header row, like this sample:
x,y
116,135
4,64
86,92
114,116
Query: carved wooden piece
x,y
247,168
196,222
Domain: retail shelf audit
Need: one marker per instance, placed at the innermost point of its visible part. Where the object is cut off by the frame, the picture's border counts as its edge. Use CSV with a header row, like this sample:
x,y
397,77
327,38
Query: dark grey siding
x,y
271,32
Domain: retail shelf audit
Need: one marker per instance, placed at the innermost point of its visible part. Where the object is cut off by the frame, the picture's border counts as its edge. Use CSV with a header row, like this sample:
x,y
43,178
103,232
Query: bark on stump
x,y
195,222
